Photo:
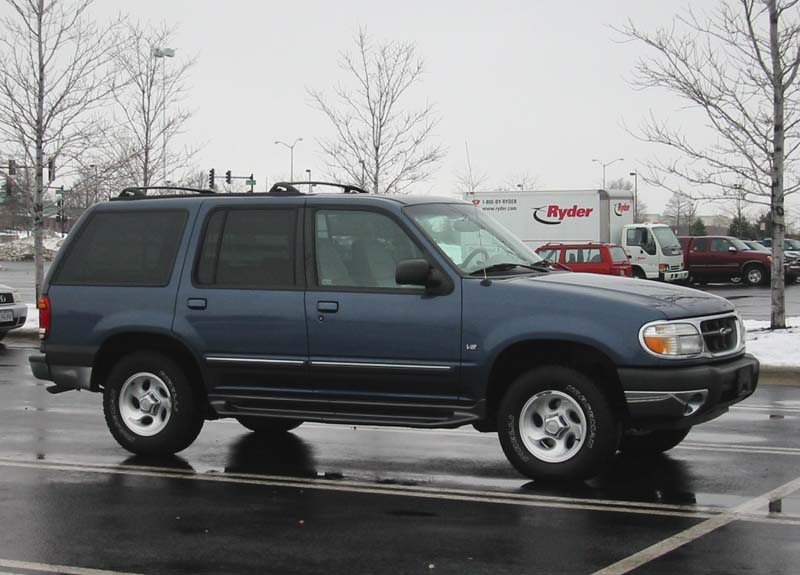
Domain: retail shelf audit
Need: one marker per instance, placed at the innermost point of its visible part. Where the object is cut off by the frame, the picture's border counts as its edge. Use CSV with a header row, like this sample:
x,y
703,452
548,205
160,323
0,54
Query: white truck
x,y
571,216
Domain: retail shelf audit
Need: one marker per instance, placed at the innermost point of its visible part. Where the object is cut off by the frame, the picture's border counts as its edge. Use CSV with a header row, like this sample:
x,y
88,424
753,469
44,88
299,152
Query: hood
x,y
673,301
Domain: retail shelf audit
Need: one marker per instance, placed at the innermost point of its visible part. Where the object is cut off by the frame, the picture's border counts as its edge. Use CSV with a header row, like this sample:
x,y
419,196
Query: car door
x,y
723,263
369,337
699,259
241,303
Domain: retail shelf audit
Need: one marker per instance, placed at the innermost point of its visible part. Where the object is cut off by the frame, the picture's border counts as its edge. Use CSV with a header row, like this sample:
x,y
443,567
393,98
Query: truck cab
x,y
654,251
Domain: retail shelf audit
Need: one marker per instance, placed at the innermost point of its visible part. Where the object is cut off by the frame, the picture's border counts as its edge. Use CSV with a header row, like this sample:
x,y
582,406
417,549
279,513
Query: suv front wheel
x,y
554,423
149,405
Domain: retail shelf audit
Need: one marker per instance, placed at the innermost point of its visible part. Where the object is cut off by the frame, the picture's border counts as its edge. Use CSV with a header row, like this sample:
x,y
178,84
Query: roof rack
x,y
291,188
141,191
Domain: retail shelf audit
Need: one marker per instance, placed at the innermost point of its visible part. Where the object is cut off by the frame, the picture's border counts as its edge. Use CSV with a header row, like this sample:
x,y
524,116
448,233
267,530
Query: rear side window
x,y
584,256
618,255
252,248
135,248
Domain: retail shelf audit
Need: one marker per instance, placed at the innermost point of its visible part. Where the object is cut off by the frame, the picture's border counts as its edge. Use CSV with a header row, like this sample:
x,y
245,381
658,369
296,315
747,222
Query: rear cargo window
x,y
136,248
618,255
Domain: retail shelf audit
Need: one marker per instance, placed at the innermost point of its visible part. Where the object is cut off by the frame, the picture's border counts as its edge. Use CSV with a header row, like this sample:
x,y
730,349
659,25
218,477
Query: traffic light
x,y
211,179
12,168
51,169
228,177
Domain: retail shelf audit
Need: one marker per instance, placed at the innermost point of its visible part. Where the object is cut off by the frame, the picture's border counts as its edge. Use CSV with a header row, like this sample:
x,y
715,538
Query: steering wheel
x,y
472,254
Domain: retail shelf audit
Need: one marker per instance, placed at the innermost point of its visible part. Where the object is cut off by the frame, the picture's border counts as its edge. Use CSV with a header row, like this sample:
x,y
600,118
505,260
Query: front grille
x,y
721,334
6,297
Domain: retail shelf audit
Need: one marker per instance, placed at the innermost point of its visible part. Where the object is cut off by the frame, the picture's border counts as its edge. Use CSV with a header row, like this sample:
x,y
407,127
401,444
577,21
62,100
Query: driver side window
x,y
360,249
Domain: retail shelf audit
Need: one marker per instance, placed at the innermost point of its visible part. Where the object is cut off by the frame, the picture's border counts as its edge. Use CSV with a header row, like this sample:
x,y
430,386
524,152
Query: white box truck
x,y
567,216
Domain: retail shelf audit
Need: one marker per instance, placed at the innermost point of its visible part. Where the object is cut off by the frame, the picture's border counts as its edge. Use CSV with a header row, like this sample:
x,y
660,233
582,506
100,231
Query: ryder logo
x,y
621,207
553,215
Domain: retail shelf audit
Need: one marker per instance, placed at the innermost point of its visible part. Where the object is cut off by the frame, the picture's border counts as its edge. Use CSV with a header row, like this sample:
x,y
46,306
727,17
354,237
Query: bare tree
x,y
148,114
680,212
738,67
470,179
377,143
54,76
522,181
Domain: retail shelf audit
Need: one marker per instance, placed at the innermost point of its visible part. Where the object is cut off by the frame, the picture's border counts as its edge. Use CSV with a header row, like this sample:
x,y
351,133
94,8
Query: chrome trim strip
x,y
683,398
382,365
221,359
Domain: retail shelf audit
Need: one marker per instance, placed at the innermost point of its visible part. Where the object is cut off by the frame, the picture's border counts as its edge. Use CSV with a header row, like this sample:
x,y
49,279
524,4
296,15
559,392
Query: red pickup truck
x,y
724,258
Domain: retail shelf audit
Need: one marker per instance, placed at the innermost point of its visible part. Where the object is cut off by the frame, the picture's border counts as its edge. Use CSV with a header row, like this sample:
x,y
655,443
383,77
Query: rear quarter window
x,y
134,248
618,255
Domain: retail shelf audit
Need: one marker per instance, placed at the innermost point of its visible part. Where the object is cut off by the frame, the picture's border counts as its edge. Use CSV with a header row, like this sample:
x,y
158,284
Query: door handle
x,y
196,303
327,306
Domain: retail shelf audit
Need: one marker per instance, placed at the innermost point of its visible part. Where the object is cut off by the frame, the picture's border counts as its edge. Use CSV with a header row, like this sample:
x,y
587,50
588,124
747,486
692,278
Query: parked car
x,y
791,248
13,313
729,259
594,258
283,307
757,246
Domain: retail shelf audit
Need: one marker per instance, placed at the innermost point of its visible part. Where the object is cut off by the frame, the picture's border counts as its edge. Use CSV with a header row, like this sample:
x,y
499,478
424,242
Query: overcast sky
x,y
535,87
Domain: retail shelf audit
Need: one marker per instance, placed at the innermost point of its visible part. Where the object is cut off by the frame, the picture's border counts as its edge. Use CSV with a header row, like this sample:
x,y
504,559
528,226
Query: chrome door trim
x,y
377,365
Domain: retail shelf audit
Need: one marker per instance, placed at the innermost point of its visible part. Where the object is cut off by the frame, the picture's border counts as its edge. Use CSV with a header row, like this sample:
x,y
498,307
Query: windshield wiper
x,y
504,267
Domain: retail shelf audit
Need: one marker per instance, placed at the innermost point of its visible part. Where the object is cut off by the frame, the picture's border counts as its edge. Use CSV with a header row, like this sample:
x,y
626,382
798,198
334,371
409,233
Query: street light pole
x,y
605,165
164,53
635,195
291,155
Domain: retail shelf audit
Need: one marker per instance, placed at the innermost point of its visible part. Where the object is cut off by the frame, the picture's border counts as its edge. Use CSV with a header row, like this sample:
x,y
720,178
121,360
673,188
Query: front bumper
x,y
673,276
64,376
686,396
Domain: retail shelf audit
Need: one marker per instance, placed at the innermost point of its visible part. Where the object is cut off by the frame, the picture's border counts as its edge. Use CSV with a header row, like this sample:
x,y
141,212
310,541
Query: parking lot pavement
x,y
366,500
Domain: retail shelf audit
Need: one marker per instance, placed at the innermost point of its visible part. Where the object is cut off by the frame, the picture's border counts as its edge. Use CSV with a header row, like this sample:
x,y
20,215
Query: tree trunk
x,y
778,316
38,192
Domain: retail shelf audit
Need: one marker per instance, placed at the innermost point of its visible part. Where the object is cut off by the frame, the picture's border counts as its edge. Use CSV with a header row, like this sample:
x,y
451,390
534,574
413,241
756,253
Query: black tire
x,y
2,335
600,438
754,275
638,273
268,425
185,419
653,442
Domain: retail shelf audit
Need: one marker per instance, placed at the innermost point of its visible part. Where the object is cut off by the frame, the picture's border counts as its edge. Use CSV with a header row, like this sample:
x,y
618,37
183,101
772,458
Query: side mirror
x,y
418,273
732,250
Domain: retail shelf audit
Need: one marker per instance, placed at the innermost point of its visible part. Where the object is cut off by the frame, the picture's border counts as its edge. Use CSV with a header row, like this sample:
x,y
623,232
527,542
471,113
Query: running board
x,y
361,413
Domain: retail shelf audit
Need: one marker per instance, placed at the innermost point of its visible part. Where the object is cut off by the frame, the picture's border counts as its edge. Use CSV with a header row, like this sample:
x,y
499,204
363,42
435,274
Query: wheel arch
x,y
121,344
523,355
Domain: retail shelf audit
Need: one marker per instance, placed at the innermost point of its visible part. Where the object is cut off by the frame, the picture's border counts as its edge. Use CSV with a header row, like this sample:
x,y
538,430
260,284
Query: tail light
x,y
44,317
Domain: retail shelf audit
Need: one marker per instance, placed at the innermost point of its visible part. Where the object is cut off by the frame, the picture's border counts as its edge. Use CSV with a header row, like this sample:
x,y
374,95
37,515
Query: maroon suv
x,y
723,258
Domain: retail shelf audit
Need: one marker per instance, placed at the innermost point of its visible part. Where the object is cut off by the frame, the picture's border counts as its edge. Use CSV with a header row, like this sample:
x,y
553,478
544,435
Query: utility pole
x,y
605,165
164,53
291,150
635,196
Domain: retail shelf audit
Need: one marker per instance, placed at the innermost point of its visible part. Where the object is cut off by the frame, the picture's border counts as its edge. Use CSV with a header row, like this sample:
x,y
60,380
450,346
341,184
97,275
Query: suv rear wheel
x,y
149,405
267,425
554,423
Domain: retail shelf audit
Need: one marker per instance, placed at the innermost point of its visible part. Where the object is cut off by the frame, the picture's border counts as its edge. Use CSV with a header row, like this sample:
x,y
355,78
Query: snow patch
x,y
776,348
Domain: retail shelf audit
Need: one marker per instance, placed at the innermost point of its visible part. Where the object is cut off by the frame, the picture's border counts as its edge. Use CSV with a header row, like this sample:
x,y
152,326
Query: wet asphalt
x,y
340,499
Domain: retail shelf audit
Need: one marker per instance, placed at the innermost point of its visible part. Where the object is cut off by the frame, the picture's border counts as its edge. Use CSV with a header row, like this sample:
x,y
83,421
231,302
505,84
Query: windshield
x,y
670,245
792,244
469,238
757,247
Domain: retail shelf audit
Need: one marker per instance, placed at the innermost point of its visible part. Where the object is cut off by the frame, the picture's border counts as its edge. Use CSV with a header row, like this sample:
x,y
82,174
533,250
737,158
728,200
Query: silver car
x,y
12,313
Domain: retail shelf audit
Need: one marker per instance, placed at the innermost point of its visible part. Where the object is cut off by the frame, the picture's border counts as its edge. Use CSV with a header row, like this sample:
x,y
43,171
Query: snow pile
x,y
778,348
22,248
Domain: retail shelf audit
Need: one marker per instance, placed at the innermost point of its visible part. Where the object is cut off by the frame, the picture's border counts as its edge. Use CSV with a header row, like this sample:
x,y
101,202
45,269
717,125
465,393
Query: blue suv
x,y
283,307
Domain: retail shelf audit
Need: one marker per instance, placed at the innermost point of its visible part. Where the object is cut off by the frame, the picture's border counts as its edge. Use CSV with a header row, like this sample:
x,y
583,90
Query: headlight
x,y
672,340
